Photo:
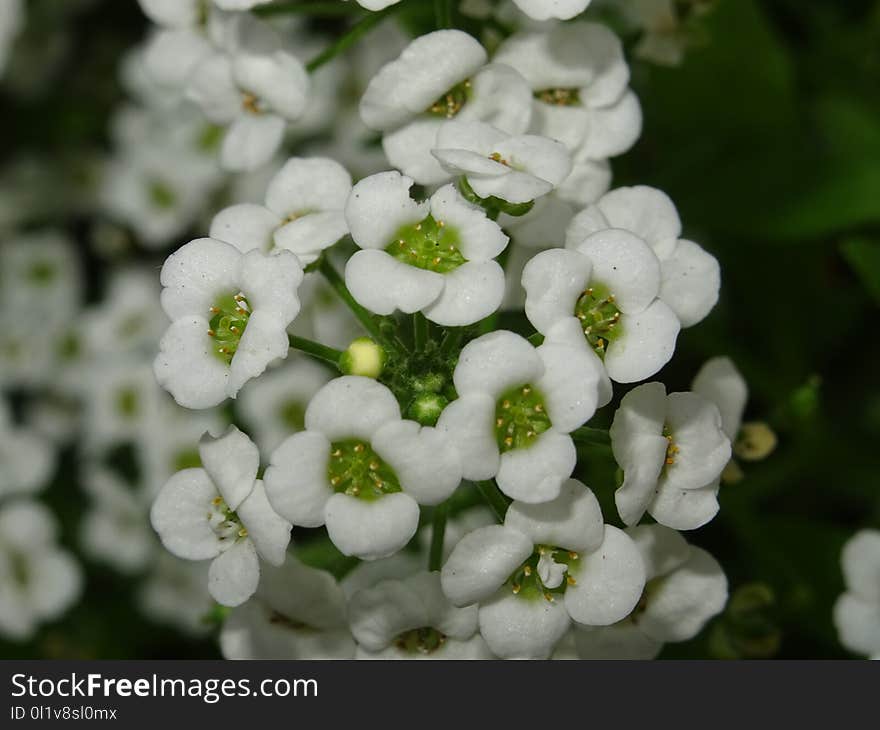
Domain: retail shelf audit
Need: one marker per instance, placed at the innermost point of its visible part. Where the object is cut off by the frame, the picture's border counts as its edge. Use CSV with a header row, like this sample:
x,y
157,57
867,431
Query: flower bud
x,y
363,357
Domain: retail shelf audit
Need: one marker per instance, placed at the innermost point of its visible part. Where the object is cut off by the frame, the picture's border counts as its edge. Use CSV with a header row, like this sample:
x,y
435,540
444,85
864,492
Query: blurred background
x,y
767,137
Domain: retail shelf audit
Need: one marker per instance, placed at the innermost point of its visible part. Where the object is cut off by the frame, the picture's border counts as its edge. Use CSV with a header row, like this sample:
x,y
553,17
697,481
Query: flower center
x,y
229,317
292,415
520,417
358,471
559,96
450,103
127,403
429,245
161,194
599,316
225,523
497,157
671,447
251,103
547,573
425,640
42,273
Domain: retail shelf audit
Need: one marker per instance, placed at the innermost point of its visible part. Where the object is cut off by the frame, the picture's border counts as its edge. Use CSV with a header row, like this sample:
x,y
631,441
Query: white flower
x,y
360,469
857,610
435,256
114,529
376,4
547,9
303,211
516,406
579,77
720,382
608,286
27,460
412,619
230,312
665,32
38,580
672,450
220,513
275,404
504,568
255,89
515,168
297,613
690,277
176,593
686,587
439,76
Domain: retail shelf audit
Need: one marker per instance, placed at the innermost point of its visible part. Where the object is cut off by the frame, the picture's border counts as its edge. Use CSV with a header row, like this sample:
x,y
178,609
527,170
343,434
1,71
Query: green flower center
x,y
520,417
599,317
127,402
292,415
425,640
229,317
429,245
526,581
358,471
451,103
559,96
20,572
42,273
161,195
225,522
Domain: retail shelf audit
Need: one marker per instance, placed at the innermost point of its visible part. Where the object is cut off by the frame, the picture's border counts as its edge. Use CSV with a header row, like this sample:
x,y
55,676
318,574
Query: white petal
x,y
614,129
537,473
371,530
720,382
681,603
691,282
212,87
645,211
685,509
609,583
269,532
196,274
501,97
187,367
588,181
311,234
553,281
704,449
179,515
55,582
424,460
567,333
468,423
572,521
540,156
296,480
662,549
570,384
860,561
480,239
409,149
231,461
515,627
858,624
263,341
308,184
271,284
383,284
626,265
379,614
379,206
644,345
496,362
482,561
471,292
251,141
234,574
514,187
428,67
624,641
245,226
351,407
278,79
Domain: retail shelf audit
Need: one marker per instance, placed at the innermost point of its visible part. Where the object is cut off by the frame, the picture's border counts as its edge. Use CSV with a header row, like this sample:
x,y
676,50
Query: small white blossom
x,y
548,9
27,460
303,211
515,409
298,612
672,449
38,580
504,567
176,593
607,286
857,610
690,277
515,168
230,312
360,469
220,513
686,587
436,256
412,619
440,76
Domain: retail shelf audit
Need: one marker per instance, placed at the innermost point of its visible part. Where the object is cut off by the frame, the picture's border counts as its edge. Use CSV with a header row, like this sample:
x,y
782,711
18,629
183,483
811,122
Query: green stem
x,y
338,283
536,339
493,497
451,340
334,9
315,349
588,435
420,331
443,13
438,531
354,34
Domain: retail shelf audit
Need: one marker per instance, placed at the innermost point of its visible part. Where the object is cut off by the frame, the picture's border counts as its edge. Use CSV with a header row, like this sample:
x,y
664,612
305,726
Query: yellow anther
x,y
516,587
508,441
215,310
505,404
211,333
359,448
217,501
527,570
548,596
335,481
526,390
539,408
243,532
573,555
337,453
440,224
499,422
374,465
570,579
